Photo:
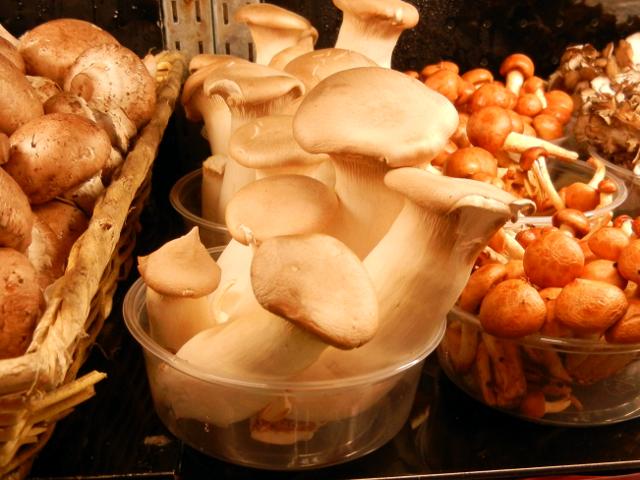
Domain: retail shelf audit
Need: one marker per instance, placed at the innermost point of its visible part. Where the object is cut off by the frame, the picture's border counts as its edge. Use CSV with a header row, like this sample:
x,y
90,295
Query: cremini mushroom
x,y
179,276
112,76
373,27
313,67
10,52
250,91
512,309
16,218
19,102
52,47
590,306
553,260
54,153
21,302
273,29
358,117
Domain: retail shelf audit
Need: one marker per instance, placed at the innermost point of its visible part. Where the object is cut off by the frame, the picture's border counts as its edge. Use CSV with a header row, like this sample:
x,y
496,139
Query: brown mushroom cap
x,y
629,261
5,148
512,309
65,220
580,196
469,161
489,127
280,205
11,53
55,152
20,302
519,62
319,284
112,76
608,242
553,260
19,102
572,221
267,143
480,282
50,49
16,218
604,271
181,268
396,117
590,306
313,67
627,329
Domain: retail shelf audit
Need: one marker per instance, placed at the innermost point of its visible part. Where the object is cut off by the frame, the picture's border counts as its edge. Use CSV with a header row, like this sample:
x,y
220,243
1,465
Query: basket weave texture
x,y
40,387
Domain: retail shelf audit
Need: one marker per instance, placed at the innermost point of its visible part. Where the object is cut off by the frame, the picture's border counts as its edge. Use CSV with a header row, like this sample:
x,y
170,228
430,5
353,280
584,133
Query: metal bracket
x,y
205,26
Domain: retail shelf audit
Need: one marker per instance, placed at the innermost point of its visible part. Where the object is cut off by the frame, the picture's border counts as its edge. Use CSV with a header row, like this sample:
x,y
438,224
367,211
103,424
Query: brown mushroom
x,y
11,53
516,68
19,102
572,221
491,94
608,242
528,104
627,329
580,196
629,261
553,260
16,218
604,271
512,309
466,162
547,127
479,284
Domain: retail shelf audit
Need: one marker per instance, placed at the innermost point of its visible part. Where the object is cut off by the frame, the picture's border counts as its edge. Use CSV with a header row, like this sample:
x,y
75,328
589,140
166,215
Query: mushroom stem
x,y
4,33
599,174
212,174
543,178
217,121
517,142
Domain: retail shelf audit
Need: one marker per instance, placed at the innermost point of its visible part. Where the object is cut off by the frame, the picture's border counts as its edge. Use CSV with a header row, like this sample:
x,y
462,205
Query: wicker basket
x,y
40,387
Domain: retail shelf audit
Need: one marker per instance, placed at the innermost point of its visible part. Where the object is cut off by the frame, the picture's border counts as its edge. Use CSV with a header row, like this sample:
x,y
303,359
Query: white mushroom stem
x,y
217,121
599,174
4,33
514,81
541,173
212,174
517,142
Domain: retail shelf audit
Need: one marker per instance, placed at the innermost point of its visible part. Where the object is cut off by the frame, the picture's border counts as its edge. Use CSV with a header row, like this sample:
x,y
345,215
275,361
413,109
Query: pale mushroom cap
x,y
20,302
271,16
112,76
181,268
55,152
251,86
268,142
19,102
319,284
375,112
397,13
315,66
51,48
44,87
280,205
11,53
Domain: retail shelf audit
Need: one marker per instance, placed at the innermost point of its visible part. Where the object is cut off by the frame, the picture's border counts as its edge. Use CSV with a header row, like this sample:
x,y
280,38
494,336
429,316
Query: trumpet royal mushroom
x,y
313,67
296,276
359,118
273,29
52,47
305,44
373,27
266,145
21,302
250,91
179,277
54,153
110,77
16,218
19,102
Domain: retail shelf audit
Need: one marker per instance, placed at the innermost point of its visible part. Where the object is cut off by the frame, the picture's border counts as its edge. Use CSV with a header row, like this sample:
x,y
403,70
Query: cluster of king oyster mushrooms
x,y
72,99
341,235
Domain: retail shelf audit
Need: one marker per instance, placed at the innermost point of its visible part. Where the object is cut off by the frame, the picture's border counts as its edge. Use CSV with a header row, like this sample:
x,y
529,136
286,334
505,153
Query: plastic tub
x,y
186,199
588,382
273,423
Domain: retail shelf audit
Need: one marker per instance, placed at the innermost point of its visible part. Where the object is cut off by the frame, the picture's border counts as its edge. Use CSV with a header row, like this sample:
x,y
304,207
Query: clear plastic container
x,y
564,174
275,423
186,199
584,382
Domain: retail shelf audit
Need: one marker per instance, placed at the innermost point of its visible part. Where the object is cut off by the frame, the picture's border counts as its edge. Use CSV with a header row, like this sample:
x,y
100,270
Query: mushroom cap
x,y
267,142
608,242
19,102
112,76
553,260
590,306
480,282
20,302
12,54
604,271
489,127
512,309
319,284
375,112
519,62
280,205
249,87
629,261
50,49
66,221
5,148
16,218
271,16
627,329
55,152
580,196
468,161
395,13
44,87
181,268
313,67
575,220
